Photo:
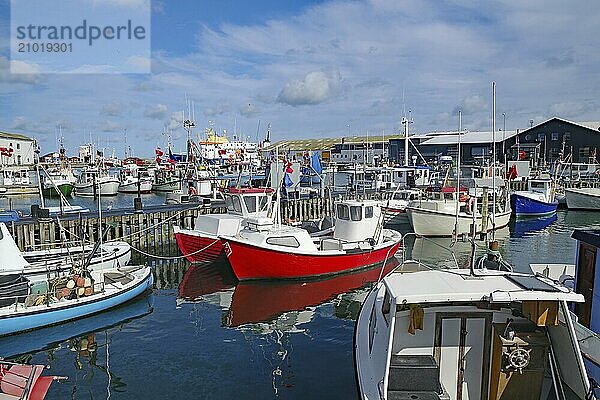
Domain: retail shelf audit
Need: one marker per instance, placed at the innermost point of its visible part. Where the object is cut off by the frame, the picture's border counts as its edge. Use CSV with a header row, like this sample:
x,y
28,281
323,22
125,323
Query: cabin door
x,y
462,352
585,282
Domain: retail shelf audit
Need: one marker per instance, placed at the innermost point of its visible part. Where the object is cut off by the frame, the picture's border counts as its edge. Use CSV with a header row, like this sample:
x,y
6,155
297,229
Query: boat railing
x,y
50,297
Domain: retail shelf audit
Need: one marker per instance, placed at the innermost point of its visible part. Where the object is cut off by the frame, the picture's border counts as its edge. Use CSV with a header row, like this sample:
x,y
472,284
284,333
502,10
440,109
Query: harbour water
x,y
199,335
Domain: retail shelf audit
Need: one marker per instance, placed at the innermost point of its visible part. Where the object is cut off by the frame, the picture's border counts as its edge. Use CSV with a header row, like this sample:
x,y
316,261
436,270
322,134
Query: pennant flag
x,y
287,180
172,158
315,163
288,167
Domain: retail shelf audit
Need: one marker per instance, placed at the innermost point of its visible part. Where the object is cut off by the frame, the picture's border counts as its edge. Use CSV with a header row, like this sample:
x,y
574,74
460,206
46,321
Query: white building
x,y
16,149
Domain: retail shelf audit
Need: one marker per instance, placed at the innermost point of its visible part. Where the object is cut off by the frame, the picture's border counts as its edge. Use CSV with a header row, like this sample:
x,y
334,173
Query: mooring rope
x,y
173,257
136,233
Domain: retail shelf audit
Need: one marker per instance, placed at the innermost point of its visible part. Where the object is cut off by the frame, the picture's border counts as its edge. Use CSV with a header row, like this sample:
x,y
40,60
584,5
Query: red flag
x,y
288,167
522,154
158,152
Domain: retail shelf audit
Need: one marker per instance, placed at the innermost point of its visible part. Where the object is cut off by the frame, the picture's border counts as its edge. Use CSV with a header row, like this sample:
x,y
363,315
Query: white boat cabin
x,y
450,334
357,220
12,177
541,186
249,201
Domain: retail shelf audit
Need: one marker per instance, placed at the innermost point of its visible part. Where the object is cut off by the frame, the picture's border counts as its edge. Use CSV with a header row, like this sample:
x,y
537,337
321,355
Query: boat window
x,y
286,241
262,200
356,213
372,327
369,212
343,212
537,185
235,204
385,307
250,203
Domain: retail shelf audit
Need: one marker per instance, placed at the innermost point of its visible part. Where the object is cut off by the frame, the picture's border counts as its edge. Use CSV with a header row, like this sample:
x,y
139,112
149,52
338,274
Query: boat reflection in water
x,y
52,337
259,302
435,252
526,226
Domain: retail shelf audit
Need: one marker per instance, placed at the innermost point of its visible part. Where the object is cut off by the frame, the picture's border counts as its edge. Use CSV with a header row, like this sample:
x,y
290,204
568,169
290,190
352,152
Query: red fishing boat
x,y
255,302
24,382
264,250
202,243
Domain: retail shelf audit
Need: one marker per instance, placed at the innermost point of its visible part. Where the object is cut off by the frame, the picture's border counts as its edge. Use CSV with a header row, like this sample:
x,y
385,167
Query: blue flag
x,y
316,163
287,180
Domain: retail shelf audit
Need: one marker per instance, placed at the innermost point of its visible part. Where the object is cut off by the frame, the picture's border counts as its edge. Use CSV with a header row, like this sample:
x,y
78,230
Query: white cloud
x,y
314,88
19,72
157,111
249,110
113,109
139,63
175,121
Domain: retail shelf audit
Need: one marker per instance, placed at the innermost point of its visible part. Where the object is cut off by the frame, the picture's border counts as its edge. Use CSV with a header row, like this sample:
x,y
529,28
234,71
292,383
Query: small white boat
x,y
440,217
583,198
130,185
94,181
394,209
468,334
40,264
73,297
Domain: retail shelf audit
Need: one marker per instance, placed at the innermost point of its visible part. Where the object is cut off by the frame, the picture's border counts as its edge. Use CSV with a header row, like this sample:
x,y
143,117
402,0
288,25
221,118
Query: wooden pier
x,y
150,230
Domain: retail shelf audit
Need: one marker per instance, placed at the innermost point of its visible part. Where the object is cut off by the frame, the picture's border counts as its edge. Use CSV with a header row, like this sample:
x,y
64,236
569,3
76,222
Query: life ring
x,y
470,205
192,191
463,197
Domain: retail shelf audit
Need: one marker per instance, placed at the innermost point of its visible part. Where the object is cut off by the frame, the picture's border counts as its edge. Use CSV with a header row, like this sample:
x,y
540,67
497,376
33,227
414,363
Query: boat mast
x,y
458,175
494,160
405,122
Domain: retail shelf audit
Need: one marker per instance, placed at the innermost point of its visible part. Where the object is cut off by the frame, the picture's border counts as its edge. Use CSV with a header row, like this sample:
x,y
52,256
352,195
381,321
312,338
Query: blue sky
x,y
311,68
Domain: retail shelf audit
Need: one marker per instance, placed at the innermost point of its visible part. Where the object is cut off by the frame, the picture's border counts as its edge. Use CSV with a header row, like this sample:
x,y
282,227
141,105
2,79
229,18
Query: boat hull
x,y
394,216
65,188
167,186
583,199
434,223
252,262
526,206
198,247
38,317
109,188
145,187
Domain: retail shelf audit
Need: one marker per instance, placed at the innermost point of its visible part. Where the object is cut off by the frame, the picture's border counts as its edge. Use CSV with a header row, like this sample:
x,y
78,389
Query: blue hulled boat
x,y
538,200
73,297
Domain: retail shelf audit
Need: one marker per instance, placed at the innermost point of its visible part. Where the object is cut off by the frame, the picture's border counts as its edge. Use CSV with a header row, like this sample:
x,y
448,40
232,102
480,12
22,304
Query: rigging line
x,y
174,257
133,233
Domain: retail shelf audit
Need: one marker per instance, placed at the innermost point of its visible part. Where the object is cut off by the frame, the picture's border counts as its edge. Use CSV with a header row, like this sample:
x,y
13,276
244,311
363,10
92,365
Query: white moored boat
x,y
41,264
441,217
394,209
583,198
92,182
468,334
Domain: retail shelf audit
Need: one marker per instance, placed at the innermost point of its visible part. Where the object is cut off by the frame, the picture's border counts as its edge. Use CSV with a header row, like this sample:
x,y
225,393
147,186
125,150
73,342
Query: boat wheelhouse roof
x,y
458,285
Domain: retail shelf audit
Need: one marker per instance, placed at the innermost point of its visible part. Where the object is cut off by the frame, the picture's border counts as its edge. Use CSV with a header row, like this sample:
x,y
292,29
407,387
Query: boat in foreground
x,y
468,334
264,250
24,382
74,297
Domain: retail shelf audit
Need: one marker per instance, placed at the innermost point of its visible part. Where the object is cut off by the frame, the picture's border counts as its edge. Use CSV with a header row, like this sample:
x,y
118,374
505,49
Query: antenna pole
x,y
494,160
